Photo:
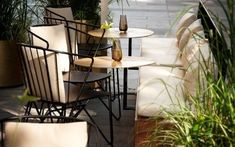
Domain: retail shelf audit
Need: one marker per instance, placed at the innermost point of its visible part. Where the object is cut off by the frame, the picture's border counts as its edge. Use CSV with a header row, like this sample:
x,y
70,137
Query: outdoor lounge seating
x,y
166,85
161,86
54,36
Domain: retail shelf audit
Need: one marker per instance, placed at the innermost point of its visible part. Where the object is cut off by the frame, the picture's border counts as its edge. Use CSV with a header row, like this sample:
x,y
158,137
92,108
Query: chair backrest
x,y
185,21
46,134
43,75
62,12
195,27
76,30
63,15
197,59
55,35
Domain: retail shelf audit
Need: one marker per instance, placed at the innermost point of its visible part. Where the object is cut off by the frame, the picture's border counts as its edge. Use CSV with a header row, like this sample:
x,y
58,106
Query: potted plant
x,y
86,10
82,9
211,120
13,21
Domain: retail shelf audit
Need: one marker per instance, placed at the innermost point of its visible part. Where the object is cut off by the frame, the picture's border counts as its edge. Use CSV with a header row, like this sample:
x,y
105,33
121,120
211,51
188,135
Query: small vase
x,y
116,50
123,23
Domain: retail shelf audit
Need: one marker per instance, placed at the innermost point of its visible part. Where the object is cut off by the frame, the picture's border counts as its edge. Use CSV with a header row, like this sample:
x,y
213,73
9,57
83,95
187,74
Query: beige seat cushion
x,y
162,44
160,90
161,50
46,134
165,58
36,66
198,60
67,13
56,37
192,29
64,11
190,49
148,73
186,20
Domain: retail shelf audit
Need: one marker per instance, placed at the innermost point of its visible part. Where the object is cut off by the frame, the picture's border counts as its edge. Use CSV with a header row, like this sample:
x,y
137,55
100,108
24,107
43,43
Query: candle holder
x,y
123,23
116,50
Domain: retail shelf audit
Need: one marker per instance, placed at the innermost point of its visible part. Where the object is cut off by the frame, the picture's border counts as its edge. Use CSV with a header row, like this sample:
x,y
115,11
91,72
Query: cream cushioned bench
x,y
164,85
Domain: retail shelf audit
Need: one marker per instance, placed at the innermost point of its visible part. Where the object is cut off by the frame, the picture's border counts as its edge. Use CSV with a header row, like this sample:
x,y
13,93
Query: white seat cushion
x,y
163,44
164,58
195,27
148,73
186,20
46,134
198,60
64,11
160,90
161,50
41,78
55,35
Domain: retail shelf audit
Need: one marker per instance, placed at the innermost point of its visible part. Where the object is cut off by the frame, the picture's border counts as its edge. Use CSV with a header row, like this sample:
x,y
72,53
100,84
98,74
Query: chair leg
x,y
28,108
109,107
110,113
80,107
114,85
115,95
97,126
119,99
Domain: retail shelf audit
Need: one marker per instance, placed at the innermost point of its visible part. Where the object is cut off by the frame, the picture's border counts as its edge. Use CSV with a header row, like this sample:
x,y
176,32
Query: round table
x,y
108,62
115,33
129,34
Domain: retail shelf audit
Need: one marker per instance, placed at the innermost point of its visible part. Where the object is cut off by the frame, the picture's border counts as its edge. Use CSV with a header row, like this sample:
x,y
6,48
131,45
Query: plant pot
x,y
10,71
116,50
123,23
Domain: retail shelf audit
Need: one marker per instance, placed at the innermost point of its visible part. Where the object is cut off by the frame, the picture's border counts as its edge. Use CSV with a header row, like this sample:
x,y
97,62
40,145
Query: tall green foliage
x,y
88,9
82,9
16,16
210,119
13,16
226,52
211,122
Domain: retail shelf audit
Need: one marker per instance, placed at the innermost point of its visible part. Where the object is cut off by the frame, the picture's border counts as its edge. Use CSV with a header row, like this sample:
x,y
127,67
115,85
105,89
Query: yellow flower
x,y
106,25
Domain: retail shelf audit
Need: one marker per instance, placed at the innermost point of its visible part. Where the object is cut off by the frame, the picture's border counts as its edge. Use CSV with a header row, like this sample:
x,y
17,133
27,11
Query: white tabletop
x,y
115,33
108,62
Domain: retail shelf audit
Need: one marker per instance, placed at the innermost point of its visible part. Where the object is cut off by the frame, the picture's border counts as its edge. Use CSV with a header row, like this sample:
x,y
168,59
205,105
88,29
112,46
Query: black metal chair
x,y
80,41
53,36
50,131
44,79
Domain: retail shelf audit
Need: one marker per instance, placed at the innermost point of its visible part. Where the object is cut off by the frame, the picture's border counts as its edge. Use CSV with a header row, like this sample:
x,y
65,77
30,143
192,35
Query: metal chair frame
x,y
76,107
62,20
92,49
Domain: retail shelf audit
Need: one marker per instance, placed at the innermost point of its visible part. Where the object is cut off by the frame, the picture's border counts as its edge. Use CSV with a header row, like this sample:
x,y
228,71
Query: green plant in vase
x,y
116,48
